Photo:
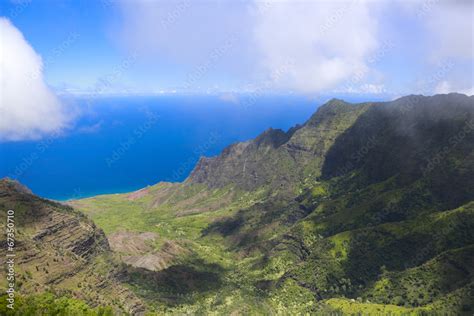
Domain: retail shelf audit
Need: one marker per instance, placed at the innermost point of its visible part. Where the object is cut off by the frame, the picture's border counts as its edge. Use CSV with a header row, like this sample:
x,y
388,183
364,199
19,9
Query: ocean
x,y
121,144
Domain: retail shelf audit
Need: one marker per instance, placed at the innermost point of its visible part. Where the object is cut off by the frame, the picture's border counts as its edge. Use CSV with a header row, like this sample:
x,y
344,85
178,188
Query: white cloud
x,y
366,88
451,28
443,87
186,32
445,43
446,87
28,107
91,129
324,42
230,98
302,45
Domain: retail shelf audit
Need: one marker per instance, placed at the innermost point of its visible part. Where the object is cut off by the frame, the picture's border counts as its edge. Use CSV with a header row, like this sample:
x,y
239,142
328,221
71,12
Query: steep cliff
x,y
61,251
277,159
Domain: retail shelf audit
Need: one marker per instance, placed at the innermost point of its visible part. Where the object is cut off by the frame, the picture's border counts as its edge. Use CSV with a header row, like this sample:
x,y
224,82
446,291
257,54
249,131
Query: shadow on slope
x,y
183,283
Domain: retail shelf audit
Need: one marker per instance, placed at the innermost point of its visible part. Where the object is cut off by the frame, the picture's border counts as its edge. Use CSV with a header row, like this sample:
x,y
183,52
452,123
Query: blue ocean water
x,y
121,144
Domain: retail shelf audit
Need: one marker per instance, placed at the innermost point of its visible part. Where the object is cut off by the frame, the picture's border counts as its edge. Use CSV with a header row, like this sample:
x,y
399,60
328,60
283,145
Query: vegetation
x,y
365,209
50,304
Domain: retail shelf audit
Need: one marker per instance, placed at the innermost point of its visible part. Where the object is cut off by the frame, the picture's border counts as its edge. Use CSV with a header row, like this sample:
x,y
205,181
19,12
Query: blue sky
x,y
82,42
323,47
48,24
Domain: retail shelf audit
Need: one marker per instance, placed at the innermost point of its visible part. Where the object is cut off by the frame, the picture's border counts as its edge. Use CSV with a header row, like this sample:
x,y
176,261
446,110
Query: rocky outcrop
x,y
60,249
66,231
279,159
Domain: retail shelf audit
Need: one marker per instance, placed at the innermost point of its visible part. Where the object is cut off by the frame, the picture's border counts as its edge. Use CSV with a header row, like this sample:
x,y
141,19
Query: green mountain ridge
x,y
364,209
277,158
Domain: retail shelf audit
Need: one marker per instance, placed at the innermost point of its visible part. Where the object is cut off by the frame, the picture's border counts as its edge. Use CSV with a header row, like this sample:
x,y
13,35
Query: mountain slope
x,y
276,159
364,208
58,250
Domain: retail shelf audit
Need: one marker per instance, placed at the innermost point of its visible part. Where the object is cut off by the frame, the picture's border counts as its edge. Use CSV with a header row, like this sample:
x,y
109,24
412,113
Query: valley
x,y
349,213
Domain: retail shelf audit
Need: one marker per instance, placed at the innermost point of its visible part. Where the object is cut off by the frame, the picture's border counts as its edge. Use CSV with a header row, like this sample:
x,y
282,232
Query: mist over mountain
x,y
365,208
